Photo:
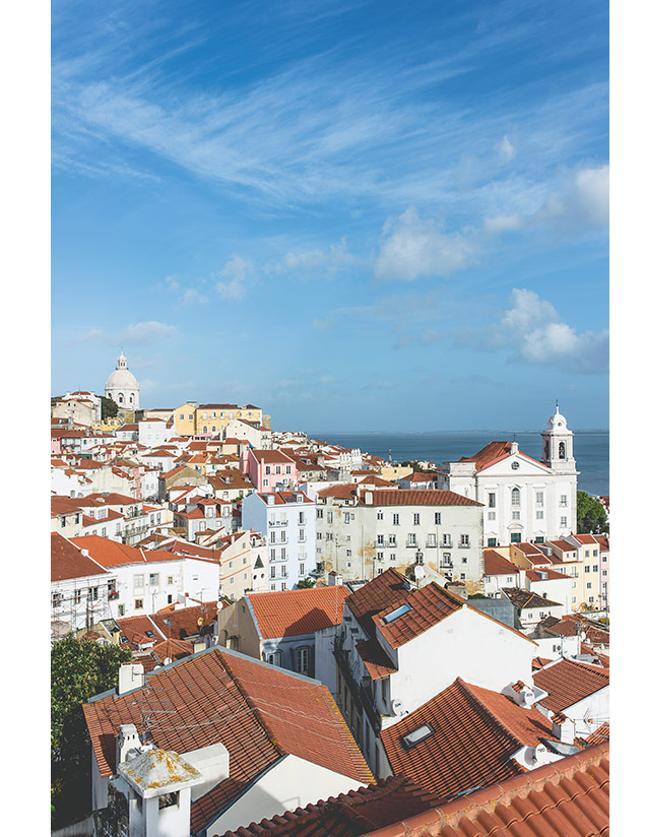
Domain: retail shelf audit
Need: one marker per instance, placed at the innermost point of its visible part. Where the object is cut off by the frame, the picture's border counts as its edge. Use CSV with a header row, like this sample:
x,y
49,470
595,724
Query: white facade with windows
x,y
524,499
287,520
364,535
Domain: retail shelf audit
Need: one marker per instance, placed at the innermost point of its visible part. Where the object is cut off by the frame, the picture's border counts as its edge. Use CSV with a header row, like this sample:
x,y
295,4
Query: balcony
x,y
278,523
361,695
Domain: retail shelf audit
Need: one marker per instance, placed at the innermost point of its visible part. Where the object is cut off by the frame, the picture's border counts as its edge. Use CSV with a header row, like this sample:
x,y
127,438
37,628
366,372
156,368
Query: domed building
x,y
122,386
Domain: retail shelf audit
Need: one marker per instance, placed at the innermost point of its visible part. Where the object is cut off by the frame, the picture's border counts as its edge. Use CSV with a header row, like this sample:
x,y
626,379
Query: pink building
x,y
270,470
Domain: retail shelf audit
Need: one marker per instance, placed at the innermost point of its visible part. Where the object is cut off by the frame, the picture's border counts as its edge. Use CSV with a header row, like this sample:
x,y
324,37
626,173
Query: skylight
x,y
416,736
395,614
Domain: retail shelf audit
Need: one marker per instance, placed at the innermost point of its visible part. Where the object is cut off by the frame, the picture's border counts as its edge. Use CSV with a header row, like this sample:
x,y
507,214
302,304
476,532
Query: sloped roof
x,y
525,600
428,606
114,554
349,814
259,712
297,612
66,561
568,682
418,497
375,660
386,590
495,452
496,564
475,733
568,798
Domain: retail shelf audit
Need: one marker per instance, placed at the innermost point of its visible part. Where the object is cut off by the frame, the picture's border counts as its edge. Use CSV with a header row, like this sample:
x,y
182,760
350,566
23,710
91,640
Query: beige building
x,y
213,418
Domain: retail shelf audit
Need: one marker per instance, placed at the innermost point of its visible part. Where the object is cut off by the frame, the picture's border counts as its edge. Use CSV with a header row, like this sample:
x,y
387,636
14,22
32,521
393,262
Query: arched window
x,y
206,430
131,399
515,497
562,450
121,397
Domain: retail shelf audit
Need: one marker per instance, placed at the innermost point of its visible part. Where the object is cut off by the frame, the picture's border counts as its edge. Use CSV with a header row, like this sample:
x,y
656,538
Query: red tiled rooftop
x,y
568,798
350,814
568,682
113,554
599,736
67,561
428,606
417,497
475,732
496,564
297,612
375,660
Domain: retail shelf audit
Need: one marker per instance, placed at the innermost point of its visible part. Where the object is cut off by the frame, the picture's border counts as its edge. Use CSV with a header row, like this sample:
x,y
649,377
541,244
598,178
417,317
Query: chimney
x,y
270,499
563,728
514,447
521,694
127,740
131,676
334,579
368,498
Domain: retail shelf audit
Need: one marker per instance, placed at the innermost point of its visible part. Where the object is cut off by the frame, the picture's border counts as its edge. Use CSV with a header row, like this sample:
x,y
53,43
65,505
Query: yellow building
x,y
184,419
212,418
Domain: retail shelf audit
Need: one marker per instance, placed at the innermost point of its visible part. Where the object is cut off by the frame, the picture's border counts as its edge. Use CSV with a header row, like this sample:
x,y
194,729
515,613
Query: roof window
x,y
395,614
416,736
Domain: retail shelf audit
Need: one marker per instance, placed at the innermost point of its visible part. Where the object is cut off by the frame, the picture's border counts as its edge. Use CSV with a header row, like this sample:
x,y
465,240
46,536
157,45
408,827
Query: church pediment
x,y
515,464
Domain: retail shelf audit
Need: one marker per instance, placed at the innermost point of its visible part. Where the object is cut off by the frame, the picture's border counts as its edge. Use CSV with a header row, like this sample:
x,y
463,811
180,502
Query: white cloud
x,y
534,329
412,247
503,223
320,260
234,273
146,331
192,296
582,201
506,149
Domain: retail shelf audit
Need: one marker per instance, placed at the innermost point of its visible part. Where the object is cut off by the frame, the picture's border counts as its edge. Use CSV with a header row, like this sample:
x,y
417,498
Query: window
x,y
139,604
562,450
539,515
594,568
446,540
516,537
272,572
63,522
379,515
515,515
273,658
347,517
380,570
587,569
492,541
349,553
515,497
438,518
57,599
301,535
563,500
380,556
462,576
329,517
138,581
392,540
416,736
491,515
563,522
153,578
431,539
268,469
412,539
302,660
319,514
395,519
446,556
301,570
380,539
392,556
415,520
539,498
491,500
93,593
586,553
278,469
319,536
396,613
588,585
77,596
288,469
301,517
121,610
283,552
465,540
515,465
170,579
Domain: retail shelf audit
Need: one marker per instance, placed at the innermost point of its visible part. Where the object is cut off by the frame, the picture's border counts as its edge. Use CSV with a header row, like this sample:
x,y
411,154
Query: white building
x,y
525,499
288,522
361,533
155,431
122,386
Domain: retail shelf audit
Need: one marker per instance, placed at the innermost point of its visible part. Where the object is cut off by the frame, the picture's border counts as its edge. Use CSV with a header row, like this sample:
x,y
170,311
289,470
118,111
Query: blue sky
x,y
360,216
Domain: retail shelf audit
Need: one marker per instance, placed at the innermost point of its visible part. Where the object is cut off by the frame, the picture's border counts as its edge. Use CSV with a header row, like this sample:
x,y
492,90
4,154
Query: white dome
x,y
121,379
557,421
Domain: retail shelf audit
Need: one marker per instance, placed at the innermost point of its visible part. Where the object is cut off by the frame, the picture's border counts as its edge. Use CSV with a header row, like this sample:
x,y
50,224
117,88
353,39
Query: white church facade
x,y
525,499
122,386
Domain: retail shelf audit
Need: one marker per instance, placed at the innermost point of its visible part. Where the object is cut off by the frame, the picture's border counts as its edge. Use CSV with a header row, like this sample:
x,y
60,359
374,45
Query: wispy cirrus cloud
x,y
233,277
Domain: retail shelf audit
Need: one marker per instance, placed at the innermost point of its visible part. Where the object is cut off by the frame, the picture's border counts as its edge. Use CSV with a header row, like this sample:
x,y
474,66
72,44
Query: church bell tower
x,y
558,444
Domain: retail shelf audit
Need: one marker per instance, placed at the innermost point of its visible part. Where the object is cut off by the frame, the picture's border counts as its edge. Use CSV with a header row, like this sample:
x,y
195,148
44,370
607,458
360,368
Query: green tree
x,y
80,669
108,408
591,515
305,583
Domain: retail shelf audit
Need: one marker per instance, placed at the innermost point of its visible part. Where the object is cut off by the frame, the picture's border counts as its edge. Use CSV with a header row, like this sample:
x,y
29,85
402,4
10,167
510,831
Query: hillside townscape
x,y
256,632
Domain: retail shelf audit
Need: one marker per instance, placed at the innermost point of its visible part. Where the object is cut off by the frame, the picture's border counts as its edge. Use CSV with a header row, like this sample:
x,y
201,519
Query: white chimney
x,y
563,728
334,579
368,498
131,676
270,499
127,740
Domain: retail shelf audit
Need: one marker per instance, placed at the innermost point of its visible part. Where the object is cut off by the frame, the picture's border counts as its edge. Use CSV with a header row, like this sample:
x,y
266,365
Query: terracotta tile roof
x,y
375,659
569,681
474,734
530,549
386,590
67,561
496,564
524,600
495,452
184,622
564,546
545,575
570,624
349,814
343,491
427,606
586,539
173,649
599,736
296,612
282,498
64,505
568,798
604,541
271,456
418,497
540,662
113,554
